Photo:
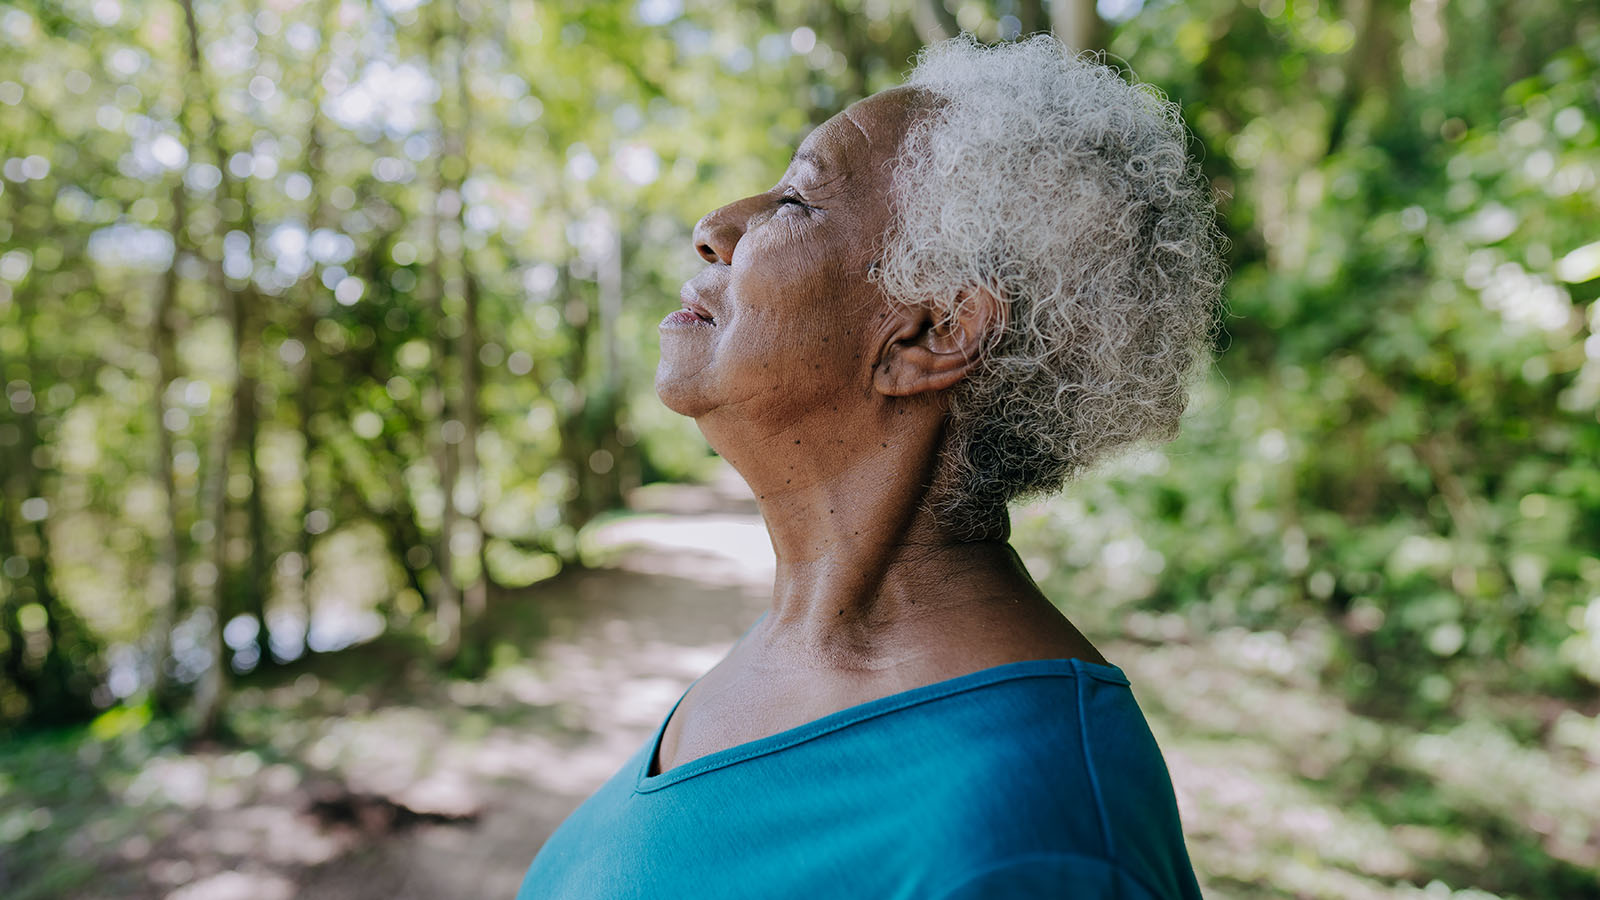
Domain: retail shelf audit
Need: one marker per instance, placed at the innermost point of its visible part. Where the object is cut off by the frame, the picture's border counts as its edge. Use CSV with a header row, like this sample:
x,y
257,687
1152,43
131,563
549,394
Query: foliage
x,y
325,317
1402,432
322,320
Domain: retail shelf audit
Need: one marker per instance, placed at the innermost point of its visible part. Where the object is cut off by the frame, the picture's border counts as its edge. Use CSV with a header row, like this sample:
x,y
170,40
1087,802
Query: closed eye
x,y
791,198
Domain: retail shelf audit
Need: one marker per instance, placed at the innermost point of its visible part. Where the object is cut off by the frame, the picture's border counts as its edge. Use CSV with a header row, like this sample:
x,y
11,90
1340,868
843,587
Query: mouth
x,y
692,315
690,298
699,312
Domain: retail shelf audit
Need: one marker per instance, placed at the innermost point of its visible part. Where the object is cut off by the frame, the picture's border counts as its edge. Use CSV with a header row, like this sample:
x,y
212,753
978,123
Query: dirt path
x,y
625,642
416,789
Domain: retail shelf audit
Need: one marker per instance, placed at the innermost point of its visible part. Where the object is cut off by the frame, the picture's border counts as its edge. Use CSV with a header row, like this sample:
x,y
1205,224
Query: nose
x,y
718,233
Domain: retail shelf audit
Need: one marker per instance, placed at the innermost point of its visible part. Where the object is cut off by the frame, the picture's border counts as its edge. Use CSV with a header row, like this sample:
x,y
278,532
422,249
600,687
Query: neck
x,y
864,566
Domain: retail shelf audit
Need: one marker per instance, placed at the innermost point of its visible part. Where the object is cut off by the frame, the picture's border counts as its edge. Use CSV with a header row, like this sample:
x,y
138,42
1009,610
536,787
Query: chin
x,y
680,391
681,375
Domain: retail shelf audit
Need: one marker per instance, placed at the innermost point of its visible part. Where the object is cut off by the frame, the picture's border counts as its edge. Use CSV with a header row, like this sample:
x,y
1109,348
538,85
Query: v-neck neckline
x,y
1032,668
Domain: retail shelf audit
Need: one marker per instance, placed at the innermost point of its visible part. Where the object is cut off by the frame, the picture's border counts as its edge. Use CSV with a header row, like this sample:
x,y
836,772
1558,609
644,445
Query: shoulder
x,y
1075,792
1055,721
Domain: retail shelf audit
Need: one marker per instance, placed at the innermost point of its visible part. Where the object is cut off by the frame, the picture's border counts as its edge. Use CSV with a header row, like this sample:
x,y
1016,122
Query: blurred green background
x,y
327,330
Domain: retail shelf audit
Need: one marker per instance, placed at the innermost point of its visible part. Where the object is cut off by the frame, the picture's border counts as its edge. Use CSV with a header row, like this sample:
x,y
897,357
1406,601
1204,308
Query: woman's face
x,y
782,321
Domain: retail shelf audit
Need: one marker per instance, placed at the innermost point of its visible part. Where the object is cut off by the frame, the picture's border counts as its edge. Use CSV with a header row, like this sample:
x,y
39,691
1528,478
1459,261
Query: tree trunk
x,y
212,687
169,601
438,405
52,678
313,300
469,493
243,307
1076,24
1367,67
1032,15
239,421
258,583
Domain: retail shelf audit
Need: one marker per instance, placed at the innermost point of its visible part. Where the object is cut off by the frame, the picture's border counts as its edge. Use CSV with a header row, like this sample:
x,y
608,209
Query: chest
x,y
772,827
725,710
748,696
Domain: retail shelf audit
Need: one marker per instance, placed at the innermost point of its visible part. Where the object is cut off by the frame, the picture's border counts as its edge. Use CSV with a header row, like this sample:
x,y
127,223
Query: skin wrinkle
x,y
816,194
879,365
864,136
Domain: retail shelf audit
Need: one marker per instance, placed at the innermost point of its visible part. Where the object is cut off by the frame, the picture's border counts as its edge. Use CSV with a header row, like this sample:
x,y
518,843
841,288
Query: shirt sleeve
x,y
1051,875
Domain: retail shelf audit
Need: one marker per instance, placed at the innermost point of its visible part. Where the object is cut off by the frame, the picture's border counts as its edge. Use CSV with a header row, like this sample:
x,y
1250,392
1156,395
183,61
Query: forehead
x,y
867,132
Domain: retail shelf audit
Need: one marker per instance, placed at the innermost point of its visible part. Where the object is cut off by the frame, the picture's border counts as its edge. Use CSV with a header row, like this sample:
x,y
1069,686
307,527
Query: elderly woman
x,y
962,291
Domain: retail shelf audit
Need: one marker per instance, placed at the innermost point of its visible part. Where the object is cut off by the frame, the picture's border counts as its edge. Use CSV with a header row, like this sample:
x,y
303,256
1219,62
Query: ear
x,y
927,352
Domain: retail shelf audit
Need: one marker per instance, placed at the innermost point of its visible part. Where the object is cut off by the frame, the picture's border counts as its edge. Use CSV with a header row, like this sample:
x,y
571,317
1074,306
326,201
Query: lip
x,y
690,298
684,318
693,314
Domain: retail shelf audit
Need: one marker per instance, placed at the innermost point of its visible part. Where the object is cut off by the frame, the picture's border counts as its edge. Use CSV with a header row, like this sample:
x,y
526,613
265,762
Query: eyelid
x,y
790,195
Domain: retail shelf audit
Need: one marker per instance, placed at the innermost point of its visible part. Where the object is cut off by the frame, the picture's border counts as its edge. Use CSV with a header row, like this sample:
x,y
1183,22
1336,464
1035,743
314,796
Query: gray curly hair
x,y
1068,193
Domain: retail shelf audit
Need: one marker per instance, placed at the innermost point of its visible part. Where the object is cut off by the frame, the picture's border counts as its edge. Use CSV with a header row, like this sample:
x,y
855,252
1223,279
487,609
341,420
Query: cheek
x,y
800,320
795,362
789,281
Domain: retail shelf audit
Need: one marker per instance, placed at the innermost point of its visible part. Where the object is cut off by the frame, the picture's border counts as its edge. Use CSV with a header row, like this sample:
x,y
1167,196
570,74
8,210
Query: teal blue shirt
x,y
1032,779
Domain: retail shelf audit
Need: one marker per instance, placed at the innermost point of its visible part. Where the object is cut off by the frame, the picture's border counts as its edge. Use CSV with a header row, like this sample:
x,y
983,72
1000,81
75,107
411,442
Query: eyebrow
x,y
812,160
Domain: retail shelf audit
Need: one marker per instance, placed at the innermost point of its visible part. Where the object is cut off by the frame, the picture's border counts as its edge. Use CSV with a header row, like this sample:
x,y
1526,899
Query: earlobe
x,y
929,350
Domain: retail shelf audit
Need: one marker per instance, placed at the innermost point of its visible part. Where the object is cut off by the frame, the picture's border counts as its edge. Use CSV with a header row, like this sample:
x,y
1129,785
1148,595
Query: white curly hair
x,y
1068,193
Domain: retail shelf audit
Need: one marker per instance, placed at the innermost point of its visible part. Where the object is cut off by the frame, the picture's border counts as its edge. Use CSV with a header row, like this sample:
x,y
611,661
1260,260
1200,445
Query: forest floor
x,y
362,775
